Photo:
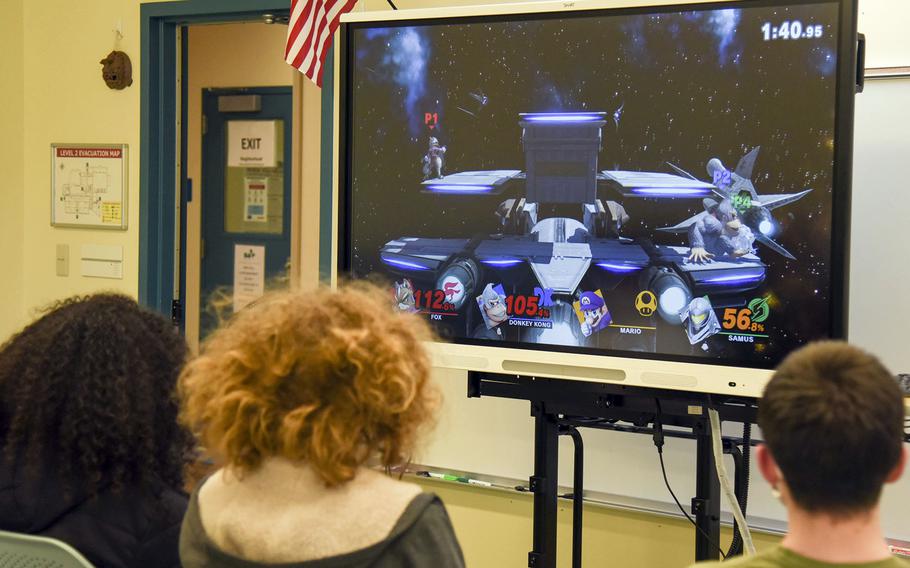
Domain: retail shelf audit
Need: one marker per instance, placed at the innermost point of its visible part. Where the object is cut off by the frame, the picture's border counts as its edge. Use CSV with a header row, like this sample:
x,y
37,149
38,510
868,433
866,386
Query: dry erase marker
x,y
448,477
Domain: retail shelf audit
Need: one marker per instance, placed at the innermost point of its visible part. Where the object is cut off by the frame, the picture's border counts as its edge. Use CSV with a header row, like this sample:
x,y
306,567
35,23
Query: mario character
x,y
592,312
404,296
492,306
432,160
700,320
719,232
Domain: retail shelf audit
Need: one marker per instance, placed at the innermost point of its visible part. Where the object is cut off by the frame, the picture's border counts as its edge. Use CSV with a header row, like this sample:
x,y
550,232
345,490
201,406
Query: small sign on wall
x,y
102,261
89,185
251,143
249,275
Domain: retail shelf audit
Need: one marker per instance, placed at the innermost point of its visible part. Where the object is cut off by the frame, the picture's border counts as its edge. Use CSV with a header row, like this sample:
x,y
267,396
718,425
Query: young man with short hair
x,y
832,418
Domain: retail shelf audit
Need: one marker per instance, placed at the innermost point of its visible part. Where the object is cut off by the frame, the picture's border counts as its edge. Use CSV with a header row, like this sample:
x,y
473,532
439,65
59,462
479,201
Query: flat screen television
x,y
654,196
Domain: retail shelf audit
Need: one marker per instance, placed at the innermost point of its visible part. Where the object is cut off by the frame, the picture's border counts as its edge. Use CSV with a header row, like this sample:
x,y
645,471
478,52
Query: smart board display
x,y
656,184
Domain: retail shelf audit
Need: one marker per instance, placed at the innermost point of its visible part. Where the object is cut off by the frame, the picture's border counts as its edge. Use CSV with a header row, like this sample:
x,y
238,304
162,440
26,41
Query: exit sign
x,y
251,143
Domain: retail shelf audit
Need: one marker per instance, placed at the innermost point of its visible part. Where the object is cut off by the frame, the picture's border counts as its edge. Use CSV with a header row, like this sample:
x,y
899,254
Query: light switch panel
x,y
63,260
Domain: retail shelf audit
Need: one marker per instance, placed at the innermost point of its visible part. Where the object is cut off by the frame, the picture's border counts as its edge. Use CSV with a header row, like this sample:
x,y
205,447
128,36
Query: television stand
x,y
561,407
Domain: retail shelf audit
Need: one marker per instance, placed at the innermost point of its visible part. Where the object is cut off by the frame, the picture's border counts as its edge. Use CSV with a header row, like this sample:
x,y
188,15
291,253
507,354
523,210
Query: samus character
x,y
493,305
719,232
700,320
404,296
595,313
432,160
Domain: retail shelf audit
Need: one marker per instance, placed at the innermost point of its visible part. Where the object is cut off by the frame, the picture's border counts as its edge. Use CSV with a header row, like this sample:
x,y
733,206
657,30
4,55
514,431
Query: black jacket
x,y
422,537
130,528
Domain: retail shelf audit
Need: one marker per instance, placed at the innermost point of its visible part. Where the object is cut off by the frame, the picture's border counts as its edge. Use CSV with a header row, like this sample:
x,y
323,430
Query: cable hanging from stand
x,y
658,438
741,461
725,484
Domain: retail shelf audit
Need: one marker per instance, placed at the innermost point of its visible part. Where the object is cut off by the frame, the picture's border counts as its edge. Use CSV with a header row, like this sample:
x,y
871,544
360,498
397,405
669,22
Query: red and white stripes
x,y
310,31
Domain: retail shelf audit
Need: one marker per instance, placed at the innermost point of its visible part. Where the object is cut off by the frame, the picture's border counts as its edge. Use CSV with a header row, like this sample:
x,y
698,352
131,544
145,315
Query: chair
x,y
26,551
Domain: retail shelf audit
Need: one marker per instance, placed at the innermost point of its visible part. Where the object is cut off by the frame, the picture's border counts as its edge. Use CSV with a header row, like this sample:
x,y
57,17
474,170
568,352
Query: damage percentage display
x,y
526,306
749,318
434,300
436,303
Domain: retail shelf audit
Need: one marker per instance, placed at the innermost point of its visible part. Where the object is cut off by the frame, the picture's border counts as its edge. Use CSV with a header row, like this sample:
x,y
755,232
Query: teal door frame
x,y
158,142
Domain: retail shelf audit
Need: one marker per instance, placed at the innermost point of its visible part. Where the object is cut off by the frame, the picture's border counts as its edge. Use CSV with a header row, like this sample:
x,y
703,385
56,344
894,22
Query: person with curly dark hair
x,y
91,452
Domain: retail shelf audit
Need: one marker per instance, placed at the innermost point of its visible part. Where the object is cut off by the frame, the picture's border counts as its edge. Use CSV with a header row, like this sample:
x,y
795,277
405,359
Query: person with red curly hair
x,y
298,395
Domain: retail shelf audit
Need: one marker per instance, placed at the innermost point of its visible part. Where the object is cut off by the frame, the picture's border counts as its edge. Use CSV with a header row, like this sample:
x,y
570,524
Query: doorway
x,y
246,196
237,86
170,209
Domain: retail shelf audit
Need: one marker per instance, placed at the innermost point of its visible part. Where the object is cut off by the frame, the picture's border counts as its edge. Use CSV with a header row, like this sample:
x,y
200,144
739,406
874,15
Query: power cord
x,y
741,459
658,438
726,486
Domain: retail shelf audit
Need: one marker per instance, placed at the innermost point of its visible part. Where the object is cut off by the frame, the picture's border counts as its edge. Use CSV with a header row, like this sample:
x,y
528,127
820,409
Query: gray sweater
x,y
423,536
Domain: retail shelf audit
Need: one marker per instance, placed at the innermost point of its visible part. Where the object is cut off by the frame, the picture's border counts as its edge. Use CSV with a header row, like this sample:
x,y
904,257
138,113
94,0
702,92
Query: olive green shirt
x,y
780,557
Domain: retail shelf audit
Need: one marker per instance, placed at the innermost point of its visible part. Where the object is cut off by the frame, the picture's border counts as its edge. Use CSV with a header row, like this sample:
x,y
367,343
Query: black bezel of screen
x,y
845,89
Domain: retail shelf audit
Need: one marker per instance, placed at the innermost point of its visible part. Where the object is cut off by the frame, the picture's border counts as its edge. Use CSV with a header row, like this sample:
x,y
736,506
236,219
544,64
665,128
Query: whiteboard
x,y
494,437
885,24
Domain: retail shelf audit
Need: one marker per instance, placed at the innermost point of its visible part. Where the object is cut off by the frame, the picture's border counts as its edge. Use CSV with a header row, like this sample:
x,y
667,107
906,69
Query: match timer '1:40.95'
x,y
791,30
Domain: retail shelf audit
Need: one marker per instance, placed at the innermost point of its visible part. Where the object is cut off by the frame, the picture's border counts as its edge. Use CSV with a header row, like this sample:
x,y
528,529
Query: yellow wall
x,y
222,55
65,100
12,187
53,92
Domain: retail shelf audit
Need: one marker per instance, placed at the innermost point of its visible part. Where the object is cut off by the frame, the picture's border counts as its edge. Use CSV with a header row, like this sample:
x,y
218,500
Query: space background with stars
x,y
690,85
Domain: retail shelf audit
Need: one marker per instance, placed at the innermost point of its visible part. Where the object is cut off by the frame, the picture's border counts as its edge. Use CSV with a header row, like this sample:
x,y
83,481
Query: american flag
x,y
310,31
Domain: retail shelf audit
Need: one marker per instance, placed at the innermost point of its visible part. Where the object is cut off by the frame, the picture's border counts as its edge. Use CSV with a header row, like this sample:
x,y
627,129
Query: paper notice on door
x,y
256,199
251,143
249,275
